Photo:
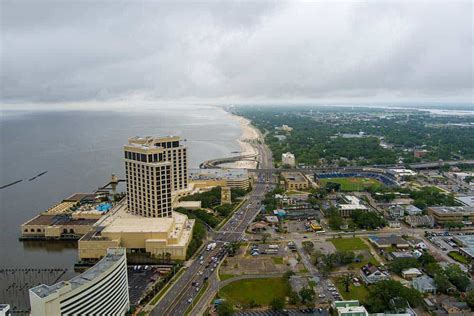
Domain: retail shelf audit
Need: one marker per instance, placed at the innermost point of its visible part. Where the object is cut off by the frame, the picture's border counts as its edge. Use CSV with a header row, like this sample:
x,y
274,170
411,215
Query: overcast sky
x,y
75,51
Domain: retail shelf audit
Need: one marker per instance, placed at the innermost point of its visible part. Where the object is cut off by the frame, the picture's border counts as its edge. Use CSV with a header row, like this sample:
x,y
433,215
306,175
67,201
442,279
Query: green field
x,y
224,276
349,244
257,291
458,257
355,292
353,184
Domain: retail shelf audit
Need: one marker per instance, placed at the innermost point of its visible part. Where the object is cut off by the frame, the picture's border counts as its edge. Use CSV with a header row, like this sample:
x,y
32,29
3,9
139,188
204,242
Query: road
x,y
180,296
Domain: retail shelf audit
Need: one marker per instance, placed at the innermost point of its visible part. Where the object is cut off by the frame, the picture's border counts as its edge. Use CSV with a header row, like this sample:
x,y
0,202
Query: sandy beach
x,y
249,135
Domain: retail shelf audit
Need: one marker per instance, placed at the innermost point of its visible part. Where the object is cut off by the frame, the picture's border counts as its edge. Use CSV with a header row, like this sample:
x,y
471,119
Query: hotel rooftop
x,y
100,267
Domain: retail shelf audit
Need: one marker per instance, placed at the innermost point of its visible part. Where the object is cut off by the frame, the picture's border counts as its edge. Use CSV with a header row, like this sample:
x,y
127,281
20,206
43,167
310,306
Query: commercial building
x,y
467,245
349,308
56,227
349,205
156,237
389,241
149,178
174,152
467,200
101,290
420,221
288,159
219,177
147,224
295,181
444,214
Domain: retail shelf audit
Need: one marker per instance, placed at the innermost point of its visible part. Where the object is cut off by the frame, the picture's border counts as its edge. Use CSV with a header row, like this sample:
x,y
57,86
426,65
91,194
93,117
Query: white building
x,y
288,159
101,290
349,308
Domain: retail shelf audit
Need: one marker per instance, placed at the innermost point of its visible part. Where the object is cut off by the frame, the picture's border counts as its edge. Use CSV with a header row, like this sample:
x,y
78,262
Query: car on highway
x,y
190,300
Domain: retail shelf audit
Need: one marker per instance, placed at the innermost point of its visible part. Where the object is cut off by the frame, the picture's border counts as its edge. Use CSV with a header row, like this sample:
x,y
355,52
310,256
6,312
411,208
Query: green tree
x,y
381,294
442,282
399,264
225,309
306,295
457,277
293,298
277,303
346,279
433,268
308,246
470,298
425,259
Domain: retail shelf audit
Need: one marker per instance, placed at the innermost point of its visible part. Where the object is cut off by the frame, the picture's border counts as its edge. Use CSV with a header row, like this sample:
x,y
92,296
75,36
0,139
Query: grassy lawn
x,y
303,270
358,265
225,276
277,260
355,292
458,257
353,184
349,244
258,291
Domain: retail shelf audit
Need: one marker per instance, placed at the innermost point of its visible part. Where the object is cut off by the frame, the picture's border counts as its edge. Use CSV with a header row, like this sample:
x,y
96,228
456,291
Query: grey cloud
x,y
80,51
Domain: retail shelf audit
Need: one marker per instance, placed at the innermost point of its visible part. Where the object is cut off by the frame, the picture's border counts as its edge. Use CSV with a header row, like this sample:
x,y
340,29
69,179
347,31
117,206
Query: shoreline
x,y
249,135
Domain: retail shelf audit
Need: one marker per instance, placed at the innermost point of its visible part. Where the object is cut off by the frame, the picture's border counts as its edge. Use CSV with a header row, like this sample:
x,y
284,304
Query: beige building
x,y
147,224
295,181
174,152
149,178
56,227
155,236
444,214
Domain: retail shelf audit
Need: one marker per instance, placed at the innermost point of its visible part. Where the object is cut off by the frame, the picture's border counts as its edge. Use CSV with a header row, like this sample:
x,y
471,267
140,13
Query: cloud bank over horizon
x,y
82,51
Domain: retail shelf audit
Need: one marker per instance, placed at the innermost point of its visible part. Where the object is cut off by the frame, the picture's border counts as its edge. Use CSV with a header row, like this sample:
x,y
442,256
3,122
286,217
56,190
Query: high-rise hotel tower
x,y
154,167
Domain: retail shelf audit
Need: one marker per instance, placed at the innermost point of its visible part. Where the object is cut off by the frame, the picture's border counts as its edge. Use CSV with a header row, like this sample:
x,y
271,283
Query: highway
x,y
181,294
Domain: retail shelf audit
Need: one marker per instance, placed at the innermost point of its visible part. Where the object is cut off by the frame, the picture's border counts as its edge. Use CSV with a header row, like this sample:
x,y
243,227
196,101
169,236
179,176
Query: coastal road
x,y
179,297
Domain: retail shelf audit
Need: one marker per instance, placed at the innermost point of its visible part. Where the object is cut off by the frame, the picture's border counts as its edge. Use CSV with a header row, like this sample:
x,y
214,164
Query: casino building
x,y
101,290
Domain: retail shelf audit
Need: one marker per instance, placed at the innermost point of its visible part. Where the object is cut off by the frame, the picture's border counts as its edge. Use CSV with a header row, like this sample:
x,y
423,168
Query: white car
x,y
190,300
321,296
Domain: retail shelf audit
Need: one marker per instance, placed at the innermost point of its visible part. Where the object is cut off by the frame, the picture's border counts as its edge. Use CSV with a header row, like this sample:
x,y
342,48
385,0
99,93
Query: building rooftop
x,y
388,240
76,197
136,224
466,200
294,176
217,173
425,282
452,210
113,255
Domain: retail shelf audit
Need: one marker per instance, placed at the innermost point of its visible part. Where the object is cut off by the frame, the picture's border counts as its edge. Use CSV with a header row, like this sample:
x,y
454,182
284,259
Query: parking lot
x,y
139,279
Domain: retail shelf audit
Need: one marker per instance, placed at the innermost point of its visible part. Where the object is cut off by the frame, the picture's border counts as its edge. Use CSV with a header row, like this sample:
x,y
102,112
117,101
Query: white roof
x,y
412,271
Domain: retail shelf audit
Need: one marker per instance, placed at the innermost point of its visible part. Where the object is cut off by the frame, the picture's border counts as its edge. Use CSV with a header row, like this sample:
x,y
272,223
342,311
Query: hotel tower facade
x,y
154,168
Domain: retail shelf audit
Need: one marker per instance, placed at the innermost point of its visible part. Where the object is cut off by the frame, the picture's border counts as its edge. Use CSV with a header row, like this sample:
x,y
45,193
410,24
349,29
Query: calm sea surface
x,y
80,150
